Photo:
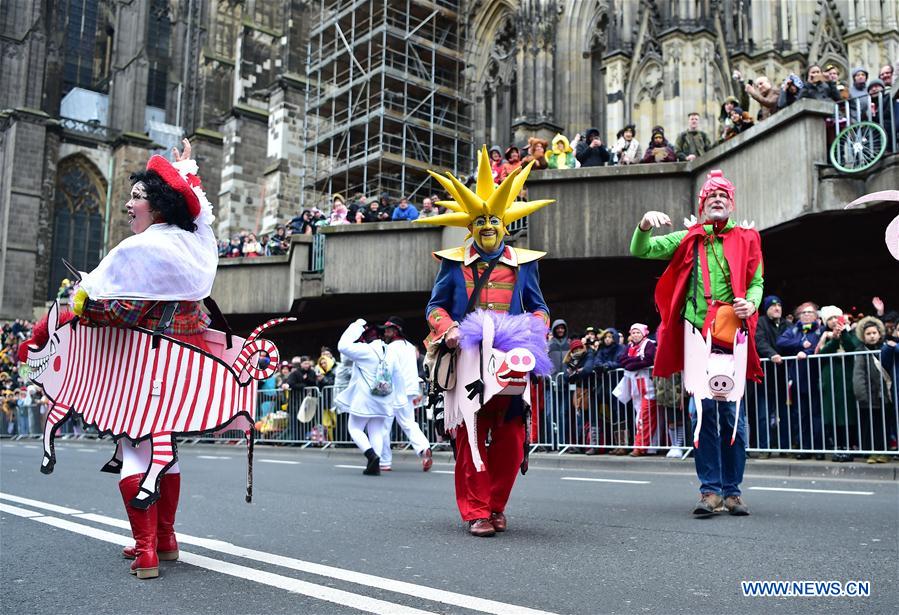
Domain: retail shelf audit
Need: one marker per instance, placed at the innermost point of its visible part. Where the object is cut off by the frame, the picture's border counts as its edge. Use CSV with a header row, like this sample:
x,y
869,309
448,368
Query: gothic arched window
x,y
77,219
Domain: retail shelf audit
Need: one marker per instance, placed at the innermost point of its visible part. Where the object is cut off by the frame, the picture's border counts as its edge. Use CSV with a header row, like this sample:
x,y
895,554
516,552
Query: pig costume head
x,y
497,355
45,361
709,374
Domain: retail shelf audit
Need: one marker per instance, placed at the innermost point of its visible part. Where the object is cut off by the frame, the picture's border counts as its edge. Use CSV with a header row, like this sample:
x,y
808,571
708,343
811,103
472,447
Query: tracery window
x,y
77,219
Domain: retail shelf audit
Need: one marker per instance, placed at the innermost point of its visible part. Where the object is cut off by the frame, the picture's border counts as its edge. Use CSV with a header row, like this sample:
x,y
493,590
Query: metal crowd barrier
x,y
802,406
826,403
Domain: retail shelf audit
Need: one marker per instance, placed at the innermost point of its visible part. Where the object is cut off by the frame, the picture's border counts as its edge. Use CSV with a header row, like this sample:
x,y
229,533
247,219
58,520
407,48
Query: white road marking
x,y
607,480
30,446
400,587
86,450
293,463
19,512
350,467
38,504
443,471
296,586
213,457
796,490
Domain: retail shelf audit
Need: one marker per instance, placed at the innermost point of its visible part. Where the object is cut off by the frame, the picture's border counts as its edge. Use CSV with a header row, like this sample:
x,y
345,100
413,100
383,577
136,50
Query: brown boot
x,y
481,528
735,506
498,521
707,505
143,528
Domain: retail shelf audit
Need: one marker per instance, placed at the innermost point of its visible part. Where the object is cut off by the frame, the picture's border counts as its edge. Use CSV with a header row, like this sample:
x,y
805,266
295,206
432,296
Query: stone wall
x,y
285,152
26,185
241,195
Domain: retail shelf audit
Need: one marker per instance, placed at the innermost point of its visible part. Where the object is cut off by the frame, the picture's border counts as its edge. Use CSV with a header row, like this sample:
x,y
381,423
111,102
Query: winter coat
x,y
889,360
838,398
694,142
636,363
606,358
579,369
592,156
300,379
766,335
410,213
870,381
803,373
822,90
558,346
767,102
662,153
566,159
628,152
787,98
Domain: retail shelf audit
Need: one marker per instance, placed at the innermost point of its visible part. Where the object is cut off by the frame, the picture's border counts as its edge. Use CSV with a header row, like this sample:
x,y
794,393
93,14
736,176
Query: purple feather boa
x,y
518,331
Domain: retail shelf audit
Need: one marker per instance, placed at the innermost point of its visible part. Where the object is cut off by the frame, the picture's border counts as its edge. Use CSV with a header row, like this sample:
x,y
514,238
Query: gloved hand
x,y
79,299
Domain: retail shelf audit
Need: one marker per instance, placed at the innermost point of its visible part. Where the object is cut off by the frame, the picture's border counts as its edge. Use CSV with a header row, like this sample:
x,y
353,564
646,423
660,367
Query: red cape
x,y
743,252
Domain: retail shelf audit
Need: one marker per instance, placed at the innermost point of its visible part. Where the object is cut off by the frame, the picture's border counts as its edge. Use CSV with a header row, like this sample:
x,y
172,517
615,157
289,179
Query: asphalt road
x,y
321,538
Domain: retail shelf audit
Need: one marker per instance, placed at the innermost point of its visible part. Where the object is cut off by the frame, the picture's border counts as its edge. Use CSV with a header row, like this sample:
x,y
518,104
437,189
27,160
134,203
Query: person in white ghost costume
x,y
373,370
406,397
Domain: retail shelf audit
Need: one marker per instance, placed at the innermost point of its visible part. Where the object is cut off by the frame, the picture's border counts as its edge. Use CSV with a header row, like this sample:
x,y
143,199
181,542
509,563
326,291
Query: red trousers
x,y
480,493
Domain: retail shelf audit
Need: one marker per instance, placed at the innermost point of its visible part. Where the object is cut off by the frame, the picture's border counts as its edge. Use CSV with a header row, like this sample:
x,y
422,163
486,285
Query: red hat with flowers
x,y
181,185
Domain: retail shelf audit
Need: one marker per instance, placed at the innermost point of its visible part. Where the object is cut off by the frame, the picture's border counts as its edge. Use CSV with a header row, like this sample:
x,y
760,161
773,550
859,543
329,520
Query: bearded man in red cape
x,y
715,264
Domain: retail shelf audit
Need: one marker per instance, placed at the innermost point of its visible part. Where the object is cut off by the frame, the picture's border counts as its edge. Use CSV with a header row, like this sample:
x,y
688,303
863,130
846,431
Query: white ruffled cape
x,y
164,263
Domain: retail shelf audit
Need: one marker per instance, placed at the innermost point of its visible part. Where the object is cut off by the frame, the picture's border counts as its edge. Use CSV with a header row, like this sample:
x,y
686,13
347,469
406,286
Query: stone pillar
x,y
130,69
207,151
616,114
243,165
26,189
284,153
130,152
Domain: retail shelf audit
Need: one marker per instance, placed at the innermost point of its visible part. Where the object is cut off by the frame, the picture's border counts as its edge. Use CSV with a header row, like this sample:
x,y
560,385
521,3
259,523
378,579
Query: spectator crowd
x,y
830,384
24,407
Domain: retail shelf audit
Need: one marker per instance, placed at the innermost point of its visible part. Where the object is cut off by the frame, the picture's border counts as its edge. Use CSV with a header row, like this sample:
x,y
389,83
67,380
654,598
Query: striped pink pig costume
x,y
115,380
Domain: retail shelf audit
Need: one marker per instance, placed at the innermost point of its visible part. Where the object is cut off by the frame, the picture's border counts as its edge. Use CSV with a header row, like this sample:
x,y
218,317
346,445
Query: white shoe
x,y
674,453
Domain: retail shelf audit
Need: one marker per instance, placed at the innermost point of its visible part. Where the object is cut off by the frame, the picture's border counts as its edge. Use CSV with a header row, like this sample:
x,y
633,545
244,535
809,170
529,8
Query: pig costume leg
x,y
58,414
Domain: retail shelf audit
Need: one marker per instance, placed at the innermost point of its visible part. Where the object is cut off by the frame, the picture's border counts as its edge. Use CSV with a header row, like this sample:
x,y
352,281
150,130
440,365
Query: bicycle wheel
x,y
858,147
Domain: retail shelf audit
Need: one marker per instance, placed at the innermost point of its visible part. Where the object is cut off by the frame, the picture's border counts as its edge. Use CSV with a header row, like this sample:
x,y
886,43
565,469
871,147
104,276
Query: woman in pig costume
x,y
172,257
495,362
711,290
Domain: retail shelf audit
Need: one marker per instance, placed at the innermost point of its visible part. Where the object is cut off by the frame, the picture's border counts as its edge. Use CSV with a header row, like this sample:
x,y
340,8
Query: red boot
x,y
167,505
143,528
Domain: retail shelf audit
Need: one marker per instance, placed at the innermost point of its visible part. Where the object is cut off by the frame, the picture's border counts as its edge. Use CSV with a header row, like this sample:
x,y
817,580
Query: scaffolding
x,y
384,102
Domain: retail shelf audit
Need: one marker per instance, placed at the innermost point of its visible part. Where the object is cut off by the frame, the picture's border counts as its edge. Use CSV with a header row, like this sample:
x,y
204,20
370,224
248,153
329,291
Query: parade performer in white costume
x,y
369,398
405,399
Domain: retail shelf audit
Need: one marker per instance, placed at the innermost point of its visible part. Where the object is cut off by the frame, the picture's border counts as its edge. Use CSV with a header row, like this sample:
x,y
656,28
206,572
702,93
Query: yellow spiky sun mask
x,y
490,209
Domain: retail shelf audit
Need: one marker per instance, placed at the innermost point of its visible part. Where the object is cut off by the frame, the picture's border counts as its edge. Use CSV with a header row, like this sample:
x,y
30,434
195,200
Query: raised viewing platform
x,y
780,169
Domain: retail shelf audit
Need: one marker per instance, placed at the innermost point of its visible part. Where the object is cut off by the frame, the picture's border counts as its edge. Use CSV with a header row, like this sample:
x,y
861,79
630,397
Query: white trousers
x,y
374,425
136,459
405,418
